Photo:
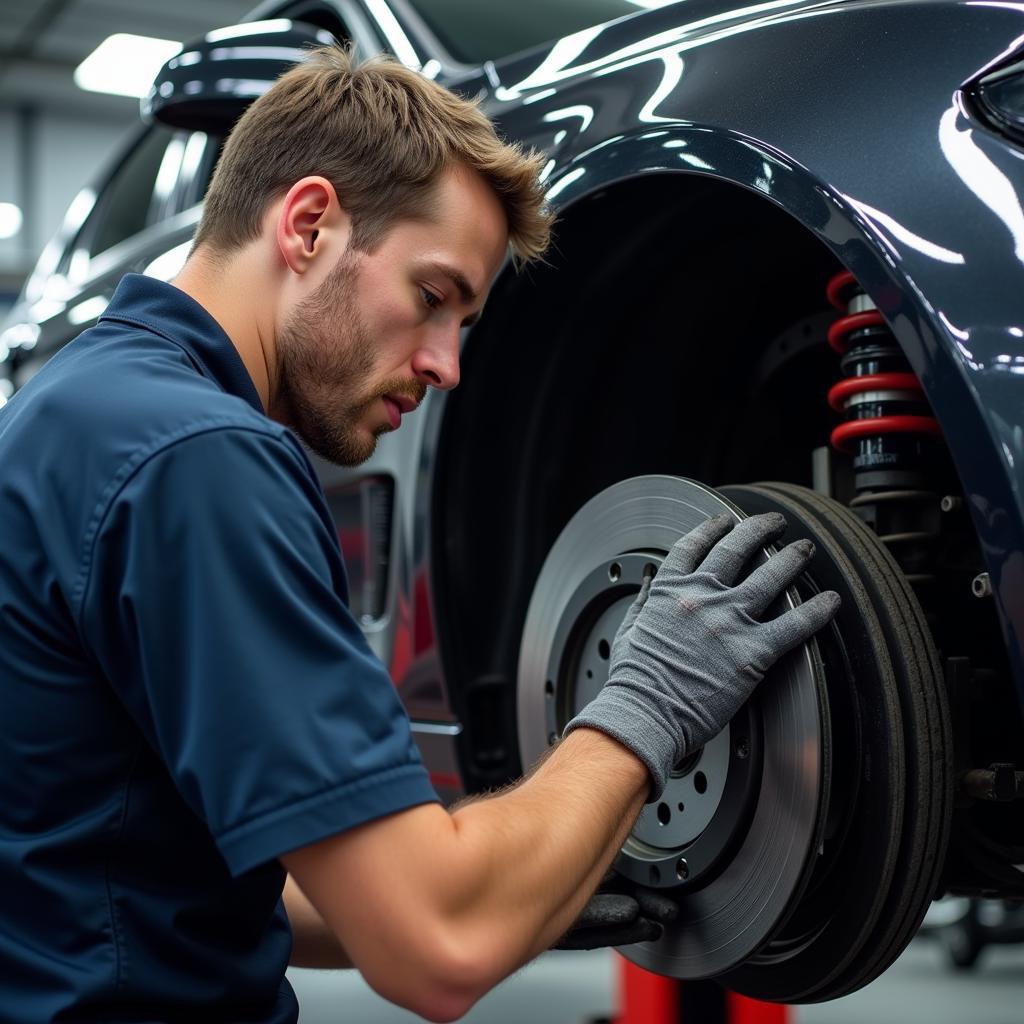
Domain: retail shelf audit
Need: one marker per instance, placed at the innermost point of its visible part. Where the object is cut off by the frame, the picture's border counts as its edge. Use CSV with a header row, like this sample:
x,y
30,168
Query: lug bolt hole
x,y
664,814
700,782
549,689
682,869
604,649
614,572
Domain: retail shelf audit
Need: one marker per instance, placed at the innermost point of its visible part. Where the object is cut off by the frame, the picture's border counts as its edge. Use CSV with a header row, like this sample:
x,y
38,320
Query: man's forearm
x,y
465,899
541,849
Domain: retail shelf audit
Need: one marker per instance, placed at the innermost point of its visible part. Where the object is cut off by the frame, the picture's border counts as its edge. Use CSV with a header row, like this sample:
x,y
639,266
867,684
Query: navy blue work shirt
x,y
184,694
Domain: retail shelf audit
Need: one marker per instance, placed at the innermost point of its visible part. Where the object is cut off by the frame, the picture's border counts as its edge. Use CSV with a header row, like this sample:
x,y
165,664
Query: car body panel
x,y
798,103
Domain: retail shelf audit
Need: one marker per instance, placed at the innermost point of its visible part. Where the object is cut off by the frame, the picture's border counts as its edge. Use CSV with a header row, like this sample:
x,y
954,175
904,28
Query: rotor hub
x,y
673,840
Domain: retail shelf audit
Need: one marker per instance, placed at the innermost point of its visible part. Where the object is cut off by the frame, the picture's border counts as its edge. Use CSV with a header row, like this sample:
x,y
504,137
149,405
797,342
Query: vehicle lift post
x,y
646,998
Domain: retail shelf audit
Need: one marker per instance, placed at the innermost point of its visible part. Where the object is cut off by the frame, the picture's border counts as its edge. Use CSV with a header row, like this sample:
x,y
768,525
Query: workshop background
x,y
55,137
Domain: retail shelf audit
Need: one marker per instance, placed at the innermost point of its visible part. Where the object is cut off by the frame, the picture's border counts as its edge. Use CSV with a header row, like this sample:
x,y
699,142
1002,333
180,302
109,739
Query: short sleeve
x,y
214,607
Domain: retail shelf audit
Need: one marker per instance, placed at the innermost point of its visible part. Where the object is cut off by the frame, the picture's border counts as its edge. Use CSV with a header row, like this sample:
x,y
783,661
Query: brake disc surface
x,y
734,832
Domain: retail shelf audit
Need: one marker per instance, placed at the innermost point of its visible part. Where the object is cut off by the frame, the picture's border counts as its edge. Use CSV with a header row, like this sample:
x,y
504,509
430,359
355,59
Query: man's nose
x,y
437,365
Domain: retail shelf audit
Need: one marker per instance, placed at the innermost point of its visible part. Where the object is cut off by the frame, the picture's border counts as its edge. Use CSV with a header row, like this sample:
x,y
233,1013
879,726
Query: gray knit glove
x,y
692,648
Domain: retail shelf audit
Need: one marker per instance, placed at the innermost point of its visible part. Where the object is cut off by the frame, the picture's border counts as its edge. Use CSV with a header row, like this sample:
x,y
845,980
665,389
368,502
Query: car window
x,y
130,200
163,173
473,32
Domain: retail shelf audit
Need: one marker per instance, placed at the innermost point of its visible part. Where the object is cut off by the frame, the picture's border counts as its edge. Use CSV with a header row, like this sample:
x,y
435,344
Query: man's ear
x,y
310,221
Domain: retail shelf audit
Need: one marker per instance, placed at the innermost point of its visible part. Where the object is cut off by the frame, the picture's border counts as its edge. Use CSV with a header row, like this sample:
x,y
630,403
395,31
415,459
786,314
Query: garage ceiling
x,y
42,42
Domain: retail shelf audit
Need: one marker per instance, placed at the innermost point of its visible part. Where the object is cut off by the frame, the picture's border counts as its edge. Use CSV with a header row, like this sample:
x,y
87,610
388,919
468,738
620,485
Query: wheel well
x,y
672,330
678,327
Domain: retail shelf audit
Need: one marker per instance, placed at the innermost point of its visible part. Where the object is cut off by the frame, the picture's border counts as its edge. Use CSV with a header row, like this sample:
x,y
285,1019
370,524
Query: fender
x,y
851,117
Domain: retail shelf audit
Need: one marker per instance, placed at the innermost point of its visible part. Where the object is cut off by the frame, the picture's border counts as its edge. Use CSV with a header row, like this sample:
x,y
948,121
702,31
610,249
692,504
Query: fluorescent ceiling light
x,y
124,64
10,220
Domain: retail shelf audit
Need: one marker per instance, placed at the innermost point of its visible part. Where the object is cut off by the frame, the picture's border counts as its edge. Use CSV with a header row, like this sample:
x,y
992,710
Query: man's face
x,y
382,327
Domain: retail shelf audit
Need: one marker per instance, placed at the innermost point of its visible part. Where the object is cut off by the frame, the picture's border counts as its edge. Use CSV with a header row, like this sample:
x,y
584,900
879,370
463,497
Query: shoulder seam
x,y
127,471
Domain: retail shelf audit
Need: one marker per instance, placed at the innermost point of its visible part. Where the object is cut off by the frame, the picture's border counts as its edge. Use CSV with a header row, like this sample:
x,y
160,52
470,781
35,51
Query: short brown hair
x,y
381,134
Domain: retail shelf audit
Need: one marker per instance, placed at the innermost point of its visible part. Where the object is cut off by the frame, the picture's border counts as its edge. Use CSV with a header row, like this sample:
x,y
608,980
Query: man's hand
x,y
692,647
619,913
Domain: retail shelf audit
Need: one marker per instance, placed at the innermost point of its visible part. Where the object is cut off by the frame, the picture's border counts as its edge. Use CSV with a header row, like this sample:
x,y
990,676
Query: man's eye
x,y
430,298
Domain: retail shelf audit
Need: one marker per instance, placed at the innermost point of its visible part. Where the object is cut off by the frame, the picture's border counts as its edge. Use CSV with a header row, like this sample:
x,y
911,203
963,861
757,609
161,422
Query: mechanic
x,y
192,720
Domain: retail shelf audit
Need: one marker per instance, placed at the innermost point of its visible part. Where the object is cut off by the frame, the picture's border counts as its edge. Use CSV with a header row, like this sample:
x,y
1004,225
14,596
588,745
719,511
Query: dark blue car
x,y
788,274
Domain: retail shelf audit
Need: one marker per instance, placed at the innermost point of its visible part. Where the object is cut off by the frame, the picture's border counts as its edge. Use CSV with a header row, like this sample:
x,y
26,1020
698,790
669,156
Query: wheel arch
x,y
493,459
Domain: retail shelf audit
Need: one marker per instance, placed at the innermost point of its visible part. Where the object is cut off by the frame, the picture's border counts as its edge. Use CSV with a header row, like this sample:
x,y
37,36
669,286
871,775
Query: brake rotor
x,y
733,832
804,866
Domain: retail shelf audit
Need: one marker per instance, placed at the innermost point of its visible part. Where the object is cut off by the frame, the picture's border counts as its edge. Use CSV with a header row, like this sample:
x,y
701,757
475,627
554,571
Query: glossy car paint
x,y
849,116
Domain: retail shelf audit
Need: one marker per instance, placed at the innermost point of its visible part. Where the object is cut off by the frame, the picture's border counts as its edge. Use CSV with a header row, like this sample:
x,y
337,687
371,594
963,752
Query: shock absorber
x,y
889,431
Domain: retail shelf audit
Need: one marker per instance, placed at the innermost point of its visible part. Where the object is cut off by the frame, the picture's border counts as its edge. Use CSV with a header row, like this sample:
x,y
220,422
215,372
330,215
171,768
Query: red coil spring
x,y
838,336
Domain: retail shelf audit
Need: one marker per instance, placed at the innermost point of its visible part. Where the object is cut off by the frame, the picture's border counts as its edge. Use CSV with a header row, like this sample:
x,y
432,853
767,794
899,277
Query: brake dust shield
x,y
735,832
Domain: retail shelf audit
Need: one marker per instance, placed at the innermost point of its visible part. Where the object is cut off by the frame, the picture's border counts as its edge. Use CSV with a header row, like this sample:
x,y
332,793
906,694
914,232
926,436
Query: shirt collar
x,y
167,311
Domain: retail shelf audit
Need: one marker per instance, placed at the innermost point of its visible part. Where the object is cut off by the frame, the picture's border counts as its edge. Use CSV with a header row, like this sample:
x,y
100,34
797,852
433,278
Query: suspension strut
x,y
889,431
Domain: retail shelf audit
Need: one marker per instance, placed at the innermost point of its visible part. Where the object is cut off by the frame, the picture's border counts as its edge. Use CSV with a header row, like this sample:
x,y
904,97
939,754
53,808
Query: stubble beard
x,y
325,356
